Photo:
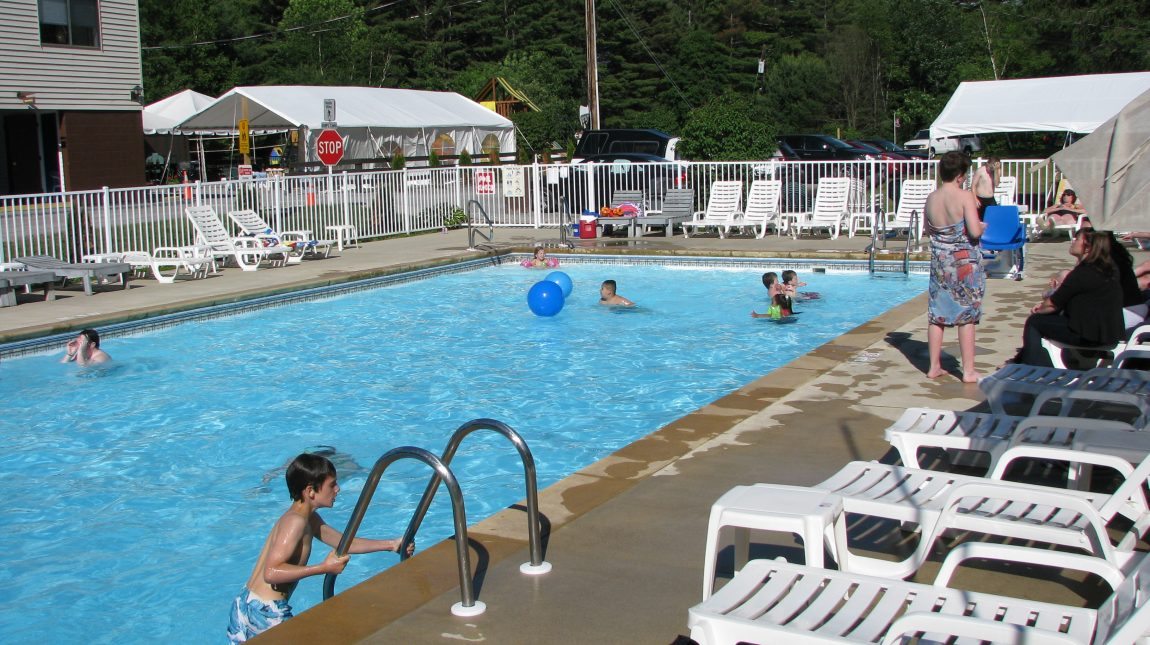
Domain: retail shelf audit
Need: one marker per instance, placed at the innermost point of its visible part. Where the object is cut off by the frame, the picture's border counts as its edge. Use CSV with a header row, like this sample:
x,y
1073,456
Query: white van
x,y
937,146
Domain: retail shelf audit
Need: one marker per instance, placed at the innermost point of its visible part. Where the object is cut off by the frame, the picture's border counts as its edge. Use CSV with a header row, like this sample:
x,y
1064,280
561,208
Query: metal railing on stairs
x,y
468,605
879,235
473,230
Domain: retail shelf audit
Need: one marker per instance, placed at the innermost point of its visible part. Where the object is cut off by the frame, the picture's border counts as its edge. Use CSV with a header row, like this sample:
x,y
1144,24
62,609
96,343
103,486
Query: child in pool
x,y
791,284
607,295
263,604
540,260
779,298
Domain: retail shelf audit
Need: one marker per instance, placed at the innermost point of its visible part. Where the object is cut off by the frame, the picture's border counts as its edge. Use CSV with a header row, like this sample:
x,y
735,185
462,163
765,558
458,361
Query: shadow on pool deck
x,y
627,533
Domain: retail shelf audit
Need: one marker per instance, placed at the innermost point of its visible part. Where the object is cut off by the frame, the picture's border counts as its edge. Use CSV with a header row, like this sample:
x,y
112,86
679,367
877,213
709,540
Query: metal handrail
x,y
472,231
536,565
467,606
912,234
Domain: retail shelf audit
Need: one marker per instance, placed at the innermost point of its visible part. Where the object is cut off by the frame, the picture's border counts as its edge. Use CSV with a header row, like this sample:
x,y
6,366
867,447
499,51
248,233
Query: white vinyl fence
x,y
393,202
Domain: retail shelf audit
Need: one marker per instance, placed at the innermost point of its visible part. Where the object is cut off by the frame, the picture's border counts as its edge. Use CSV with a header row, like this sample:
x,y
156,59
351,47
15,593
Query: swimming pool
x,y
141,495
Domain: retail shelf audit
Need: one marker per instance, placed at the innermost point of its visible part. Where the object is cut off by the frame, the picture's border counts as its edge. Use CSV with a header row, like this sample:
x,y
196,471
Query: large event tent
x,y
1077,104
164,115
374,122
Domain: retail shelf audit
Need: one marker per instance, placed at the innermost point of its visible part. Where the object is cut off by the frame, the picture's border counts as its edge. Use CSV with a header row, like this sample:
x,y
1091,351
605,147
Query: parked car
x,y
626,141
648,173
892,147
939,145
822,147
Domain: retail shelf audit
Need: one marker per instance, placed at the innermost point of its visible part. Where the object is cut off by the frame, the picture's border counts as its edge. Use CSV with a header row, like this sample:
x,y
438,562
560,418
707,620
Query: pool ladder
x,y
468,605
473,230
878,234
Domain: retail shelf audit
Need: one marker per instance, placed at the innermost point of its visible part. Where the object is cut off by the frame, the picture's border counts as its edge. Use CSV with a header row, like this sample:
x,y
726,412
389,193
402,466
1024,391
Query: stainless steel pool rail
x,y
537,565
467,606
473,230
878,234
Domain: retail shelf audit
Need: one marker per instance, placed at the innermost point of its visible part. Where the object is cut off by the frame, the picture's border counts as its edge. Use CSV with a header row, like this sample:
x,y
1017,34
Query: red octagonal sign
x,y
329,147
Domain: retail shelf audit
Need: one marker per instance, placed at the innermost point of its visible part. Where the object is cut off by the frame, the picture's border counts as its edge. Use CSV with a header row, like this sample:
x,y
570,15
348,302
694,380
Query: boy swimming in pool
x,y
607,295
263,604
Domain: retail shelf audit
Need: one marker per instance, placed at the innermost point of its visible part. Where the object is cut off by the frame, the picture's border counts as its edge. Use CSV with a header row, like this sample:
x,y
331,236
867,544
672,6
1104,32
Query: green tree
x,y
728,128
800,93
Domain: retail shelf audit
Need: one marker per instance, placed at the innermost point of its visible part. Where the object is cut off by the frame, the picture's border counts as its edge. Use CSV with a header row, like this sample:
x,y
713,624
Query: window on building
x,y
70,22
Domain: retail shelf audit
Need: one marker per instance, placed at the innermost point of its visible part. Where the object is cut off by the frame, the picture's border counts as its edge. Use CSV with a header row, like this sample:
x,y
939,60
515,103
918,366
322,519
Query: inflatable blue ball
x,y
545,298
563,280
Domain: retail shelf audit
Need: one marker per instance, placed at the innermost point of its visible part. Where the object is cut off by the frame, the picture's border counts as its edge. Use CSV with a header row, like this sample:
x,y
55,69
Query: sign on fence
x,y
329,147
485,182
513,181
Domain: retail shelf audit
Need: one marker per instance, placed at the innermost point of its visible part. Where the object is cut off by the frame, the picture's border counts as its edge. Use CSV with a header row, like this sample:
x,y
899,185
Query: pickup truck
x,y
937,146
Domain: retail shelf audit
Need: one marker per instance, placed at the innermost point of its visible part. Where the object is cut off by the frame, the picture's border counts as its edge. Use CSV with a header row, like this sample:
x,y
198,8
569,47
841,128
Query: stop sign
x,y
329,147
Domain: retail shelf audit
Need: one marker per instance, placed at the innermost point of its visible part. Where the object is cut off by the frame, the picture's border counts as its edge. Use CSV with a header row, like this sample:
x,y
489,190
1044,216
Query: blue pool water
x,y
139,496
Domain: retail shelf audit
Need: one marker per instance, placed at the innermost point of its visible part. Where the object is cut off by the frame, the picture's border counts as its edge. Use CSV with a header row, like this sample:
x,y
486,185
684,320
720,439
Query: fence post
x,y
406,203
106,207
277,200
458,187
199,193
345,189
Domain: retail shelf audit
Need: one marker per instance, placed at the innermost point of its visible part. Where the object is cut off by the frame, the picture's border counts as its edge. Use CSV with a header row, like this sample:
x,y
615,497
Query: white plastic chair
x,y
1025,383
169,262
300,241
778,602
830,209
248,252
763,207
910,214
723,209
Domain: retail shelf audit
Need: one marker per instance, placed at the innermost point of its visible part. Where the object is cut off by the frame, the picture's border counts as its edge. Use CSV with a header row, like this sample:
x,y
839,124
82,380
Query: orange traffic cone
x,y
310,196
187,187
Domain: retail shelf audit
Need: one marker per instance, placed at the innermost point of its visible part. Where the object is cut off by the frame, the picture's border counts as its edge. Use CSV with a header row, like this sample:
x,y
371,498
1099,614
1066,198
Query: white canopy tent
x,y
375,122
1077,104
164,115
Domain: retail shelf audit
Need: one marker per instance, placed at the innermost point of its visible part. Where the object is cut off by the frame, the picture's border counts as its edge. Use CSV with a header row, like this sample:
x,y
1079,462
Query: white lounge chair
x,y
778,602
723,207
1099,356
169,262
86,271
1005,190
910,214
860,208
763,207
1025,383
248,252
994,434
830,209
301,242
938,502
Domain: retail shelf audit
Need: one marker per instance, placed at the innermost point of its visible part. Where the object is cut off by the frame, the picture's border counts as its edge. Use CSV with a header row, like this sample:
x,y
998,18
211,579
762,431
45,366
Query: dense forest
x,y
686,66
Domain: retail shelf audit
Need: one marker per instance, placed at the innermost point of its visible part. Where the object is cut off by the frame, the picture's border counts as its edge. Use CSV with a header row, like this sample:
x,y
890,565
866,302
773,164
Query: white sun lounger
x,y
723,208
994,434
938,501
1027,382
86,271
248,252
778,602
830,209
301,242
169,262
763,207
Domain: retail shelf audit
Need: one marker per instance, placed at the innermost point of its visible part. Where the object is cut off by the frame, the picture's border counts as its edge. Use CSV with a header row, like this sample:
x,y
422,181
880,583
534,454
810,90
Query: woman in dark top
x,y
1085,310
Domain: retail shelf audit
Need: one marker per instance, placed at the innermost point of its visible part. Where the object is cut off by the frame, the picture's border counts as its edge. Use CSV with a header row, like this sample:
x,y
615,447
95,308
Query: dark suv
x,y
821,147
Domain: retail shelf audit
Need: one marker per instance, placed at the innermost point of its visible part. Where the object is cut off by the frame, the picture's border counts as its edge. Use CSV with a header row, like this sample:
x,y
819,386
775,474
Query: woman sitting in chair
x,y
1064,213
1085,309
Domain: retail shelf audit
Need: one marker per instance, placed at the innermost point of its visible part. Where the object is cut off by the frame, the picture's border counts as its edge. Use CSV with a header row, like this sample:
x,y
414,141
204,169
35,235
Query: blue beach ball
x,y
545,298
563,280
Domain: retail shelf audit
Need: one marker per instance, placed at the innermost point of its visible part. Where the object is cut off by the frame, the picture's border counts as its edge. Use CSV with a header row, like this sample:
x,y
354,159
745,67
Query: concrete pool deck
x,y
625,535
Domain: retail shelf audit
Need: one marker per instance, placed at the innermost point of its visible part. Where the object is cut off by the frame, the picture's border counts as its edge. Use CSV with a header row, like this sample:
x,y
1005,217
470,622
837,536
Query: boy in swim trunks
x,y
263,603
607,295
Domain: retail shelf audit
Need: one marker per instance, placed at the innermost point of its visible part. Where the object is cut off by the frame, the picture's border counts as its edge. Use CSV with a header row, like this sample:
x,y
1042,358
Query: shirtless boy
x,y
607,295
984,182
85,350
263,604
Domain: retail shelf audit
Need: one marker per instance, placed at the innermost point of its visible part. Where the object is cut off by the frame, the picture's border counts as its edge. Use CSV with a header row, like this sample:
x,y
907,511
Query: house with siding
x,y
70,95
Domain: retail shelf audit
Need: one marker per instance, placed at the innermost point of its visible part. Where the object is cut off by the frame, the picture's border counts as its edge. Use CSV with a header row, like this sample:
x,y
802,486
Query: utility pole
x,y
592,65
